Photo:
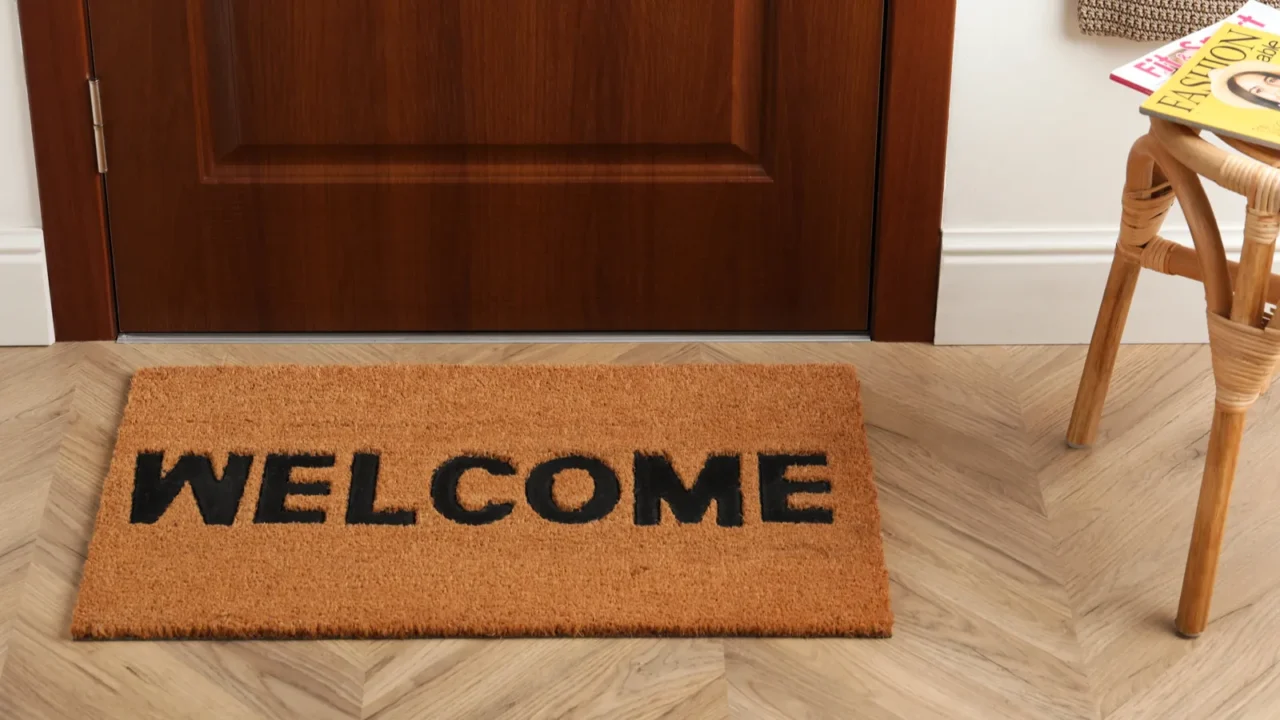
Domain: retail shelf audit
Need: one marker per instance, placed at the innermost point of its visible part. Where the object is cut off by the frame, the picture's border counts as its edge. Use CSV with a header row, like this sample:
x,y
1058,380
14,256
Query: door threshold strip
x,y
484,338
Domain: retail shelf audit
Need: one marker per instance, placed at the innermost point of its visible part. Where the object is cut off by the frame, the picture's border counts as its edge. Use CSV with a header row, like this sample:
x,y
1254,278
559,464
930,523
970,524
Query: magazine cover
x,y
1230,87
1148,73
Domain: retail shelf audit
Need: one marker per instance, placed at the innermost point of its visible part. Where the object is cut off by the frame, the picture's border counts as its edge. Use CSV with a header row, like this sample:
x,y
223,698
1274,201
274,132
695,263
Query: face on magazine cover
x,y
1260,88
1248,85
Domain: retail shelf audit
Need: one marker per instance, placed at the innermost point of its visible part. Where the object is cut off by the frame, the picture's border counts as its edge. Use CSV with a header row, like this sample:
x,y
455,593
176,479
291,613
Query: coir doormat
x,y
289,501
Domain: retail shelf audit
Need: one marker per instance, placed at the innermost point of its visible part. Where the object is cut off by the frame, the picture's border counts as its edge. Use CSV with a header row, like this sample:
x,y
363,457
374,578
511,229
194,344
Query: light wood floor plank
x,y
35,399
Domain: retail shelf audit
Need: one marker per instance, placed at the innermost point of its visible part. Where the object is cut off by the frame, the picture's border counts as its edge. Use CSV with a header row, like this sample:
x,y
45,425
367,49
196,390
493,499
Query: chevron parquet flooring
x,y
1029,581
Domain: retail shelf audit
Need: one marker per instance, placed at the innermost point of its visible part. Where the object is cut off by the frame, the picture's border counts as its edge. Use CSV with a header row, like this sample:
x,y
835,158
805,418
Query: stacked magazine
x,y
1225,78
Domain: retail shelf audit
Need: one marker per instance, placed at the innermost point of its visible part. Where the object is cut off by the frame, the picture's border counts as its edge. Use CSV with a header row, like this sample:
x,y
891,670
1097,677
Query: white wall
x,y
1035,166
25,316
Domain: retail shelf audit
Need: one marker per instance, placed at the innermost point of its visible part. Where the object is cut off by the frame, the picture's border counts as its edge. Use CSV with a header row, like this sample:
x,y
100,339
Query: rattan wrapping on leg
x,y
1240,175
1144,212
1261,226
1154,255
1244,359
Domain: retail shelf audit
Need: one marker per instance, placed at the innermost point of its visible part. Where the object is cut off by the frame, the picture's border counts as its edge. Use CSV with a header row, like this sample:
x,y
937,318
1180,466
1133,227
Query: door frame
x,y
907,243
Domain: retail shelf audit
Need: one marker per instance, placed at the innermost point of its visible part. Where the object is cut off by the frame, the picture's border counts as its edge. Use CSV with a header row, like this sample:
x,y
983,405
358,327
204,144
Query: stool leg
x,y
1146,201
1211,520
1101,361
1247,308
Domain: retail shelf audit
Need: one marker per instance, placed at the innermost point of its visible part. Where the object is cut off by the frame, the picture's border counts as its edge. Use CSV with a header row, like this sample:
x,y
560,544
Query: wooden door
x,y
490,165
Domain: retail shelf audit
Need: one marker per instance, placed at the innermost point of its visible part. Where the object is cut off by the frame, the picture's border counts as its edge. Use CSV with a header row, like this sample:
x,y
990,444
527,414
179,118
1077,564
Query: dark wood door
x,y
459,165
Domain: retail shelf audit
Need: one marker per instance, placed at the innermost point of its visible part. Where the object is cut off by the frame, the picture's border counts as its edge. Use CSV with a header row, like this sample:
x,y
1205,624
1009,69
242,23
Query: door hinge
x,y
99,133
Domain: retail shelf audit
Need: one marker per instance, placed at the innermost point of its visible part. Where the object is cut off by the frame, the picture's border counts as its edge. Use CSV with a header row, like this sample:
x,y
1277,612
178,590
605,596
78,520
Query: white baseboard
x,y
1043,287
26,315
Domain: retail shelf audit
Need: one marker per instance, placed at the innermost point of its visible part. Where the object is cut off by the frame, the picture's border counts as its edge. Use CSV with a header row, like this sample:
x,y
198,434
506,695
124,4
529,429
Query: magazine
x,y
1230,87
1148,73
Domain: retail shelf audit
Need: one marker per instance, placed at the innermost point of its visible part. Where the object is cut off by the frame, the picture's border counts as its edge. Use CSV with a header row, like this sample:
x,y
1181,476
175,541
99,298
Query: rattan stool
x,y
1245,344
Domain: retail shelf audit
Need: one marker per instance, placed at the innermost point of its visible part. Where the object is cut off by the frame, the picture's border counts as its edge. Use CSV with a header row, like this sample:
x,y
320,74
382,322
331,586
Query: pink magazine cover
x,y
1149,72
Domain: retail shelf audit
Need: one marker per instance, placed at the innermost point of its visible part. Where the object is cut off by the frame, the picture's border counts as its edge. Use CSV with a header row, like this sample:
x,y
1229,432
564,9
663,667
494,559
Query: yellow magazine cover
x,y
1230,87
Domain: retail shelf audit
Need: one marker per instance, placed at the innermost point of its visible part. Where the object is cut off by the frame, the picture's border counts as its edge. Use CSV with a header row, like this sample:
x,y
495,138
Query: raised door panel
x,y
576,87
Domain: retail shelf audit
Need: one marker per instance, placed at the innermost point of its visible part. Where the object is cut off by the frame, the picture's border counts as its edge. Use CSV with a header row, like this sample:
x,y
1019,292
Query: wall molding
x,y
21,241
26,315
1043,287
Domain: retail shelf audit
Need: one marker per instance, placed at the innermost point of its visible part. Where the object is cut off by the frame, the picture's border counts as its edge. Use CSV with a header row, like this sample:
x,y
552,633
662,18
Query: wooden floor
x,y
1029,581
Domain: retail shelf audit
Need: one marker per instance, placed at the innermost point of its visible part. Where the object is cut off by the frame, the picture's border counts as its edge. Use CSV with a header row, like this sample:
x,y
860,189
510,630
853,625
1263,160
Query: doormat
x,y
431,501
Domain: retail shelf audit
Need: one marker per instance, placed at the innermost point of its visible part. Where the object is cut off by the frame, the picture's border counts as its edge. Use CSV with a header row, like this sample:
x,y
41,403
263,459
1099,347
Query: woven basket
x,y
1153,19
